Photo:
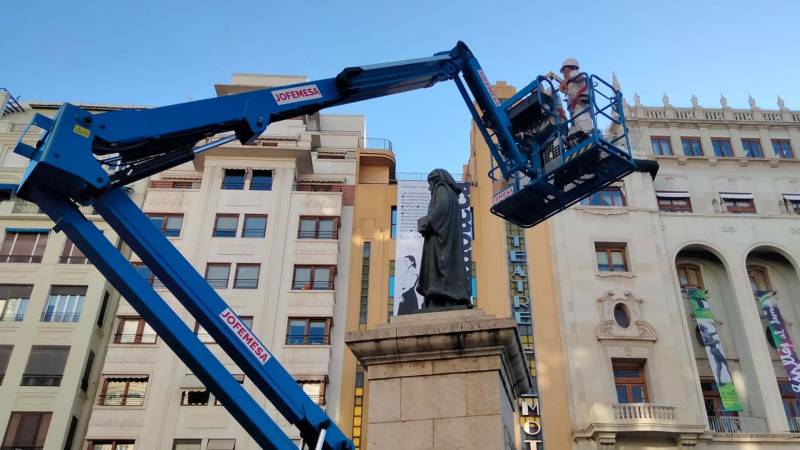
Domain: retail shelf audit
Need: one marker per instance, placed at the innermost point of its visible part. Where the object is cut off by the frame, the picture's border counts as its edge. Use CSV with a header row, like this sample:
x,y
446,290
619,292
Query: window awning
x,y
672,194
190,381
736,196
793,197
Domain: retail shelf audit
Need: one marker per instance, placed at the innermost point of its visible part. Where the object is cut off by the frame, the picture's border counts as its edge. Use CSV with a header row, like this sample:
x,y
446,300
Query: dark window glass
x,y
64,304
674,204
782,148
261,180
134,330
621,315
73,427
752,148
246,276
255,226
148,275
71,254
45,365
169,224
629,381
608,196
217,275
23,247
739,205
393,231
225,225
318,228
87,371
5,356
722,147
691,146
14,300
233,179
661,145
101,316
308,331
26,430
313,278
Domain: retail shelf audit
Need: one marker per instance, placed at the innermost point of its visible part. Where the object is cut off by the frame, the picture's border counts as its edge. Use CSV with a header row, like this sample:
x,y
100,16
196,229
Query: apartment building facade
x,y
668,287
269,225
56,309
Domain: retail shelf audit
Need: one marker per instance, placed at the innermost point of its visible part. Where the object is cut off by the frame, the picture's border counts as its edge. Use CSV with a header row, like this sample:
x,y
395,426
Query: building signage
x,y
781,338
709,338
412,204
296,94
530,417
245,335
505,193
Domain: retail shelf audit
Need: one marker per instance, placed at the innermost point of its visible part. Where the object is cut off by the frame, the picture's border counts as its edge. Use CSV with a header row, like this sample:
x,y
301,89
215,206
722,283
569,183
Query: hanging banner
x,y
413,198
781,338
709,338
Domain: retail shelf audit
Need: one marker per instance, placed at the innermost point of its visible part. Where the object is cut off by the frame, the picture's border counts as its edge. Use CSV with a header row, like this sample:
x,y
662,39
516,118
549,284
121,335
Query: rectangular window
x,y
186,444
23,246
101,315
233,179
225,225
674,201
314,278
722,147
611,257
64,304
314,389
73,427
738,203
661,145
148,275
72,254
246,276
26,430
45,365
206,338
87,371
14,300
261,180
111,445
123,391
393,229
5,356
363,299
134,330
714,407
608,196
169,224
792,203
782,148
752,148
255,226
691,146
629,381
217,275
308,331
318,228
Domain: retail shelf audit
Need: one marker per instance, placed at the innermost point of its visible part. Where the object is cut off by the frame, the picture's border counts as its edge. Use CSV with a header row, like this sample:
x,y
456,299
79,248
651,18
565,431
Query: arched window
x,y
689,276
759,278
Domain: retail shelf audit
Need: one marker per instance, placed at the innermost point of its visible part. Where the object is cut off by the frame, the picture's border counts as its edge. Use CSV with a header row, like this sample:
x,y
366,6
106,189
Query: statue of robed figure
x,y
442,275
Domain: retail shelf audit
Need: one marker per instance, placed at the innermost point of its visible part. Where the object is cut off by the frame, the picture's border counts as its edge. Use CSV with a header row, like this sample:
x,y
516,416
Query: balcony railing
x,y
300,285
40,380
135,338
794,424
121,400
732,424
643,412
50,316
321,234
20,258
375,143
304,339
26,207
73,260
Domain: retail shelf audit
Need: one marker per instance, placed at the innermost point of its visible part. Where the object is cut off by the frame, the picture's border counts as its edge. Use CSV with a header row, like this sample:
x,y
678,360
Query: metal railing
x,y
121,400
40,380
643,412
26,207
307,285
218,283
50,316
733,424
73,260
794,424
135,338
20,258
334,234
375,143
245,283
304,339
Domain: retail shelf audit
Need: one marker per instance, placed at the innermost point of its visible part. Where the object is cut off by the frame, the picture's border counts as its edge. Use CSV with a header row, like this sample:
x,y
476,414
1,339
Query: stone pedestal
x,y
442,380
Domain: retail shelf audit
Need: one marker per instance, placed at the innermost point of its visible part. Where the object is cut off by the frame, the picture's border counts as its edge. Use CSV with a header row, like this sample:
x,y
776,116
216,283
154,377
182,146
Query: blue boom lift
x,y
84,158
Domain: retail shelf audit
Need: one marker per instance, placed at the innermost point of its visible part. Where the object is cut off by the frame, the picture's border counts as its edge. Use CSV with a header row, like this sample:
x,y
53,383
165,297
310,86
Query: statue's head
x,y
442,176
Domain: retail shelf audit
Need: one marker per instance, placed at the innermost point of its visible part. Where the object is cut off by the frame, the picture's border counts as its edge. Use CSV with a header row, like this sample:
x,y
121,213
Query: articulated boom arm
x,y
88,158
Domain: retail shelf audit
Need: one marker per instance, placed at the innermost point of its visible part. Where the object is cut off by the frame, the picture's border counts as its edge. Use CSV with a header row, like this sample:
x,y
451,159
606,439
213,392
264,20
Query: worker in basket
x,y
574,85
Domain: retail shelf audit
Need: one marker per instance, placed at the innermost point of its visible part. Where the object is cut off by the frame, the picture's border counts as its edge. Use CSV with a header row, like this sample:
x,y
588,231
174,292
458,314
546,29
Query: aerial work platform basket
x,y
563,168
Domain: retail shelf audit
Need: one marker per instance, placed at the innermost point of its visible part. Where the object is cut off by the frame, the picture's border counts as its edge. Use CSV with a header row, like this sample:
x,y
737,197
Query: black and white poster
x,y
412,203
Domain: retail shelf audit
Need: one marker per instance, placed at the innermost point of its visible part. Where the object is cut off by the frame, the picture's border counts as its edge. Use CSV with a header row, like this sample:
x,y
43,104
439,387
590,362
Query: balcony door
x,y
629,380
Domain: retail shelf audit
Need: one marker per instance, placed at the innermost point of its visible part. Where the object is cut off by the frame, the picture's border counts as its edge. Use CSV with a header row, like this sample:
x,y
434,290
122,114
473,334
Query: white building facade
x,y
56,309
721,217
269,226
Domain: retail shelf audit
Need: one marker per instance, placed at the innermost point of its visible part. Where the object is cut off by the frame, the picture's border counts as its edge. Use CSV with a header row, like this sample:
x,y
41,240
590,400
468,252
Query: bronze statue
x,y
442,276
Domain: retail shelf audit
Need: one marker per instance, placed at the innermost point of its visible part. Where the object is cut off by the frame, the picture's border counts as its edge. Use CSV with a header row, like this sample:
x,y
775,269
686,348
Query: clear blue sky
x,y
161,52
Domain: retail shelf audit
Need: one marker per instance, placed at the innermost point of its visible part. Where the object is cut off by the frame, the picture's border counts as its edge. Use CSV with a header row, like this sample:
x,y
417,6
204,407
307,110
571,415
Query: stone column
x,y
442,380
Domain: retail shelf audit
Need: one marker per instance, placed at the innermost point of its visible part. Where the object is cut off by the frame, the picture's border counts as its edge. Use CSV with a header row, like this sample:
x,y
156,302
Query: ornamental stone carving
x,y
622,317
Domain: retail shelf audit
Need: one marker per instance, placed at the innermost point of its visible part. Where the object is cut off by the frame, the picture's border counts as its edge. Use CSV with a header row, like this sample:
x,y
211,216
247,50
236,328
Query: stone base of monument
x,y
442,380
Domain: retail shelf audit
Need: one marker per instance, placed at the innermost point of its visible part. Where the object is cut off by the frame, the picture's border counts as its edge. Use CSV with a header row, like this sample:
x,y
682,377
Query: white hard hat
x,y
570,62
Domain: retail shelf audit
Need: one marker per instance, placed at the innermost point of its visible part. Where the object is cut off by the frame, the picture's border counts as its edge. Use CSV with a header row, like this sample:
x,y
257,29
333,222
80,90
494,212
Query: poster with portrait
x,y
780,337
412,204
708,336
